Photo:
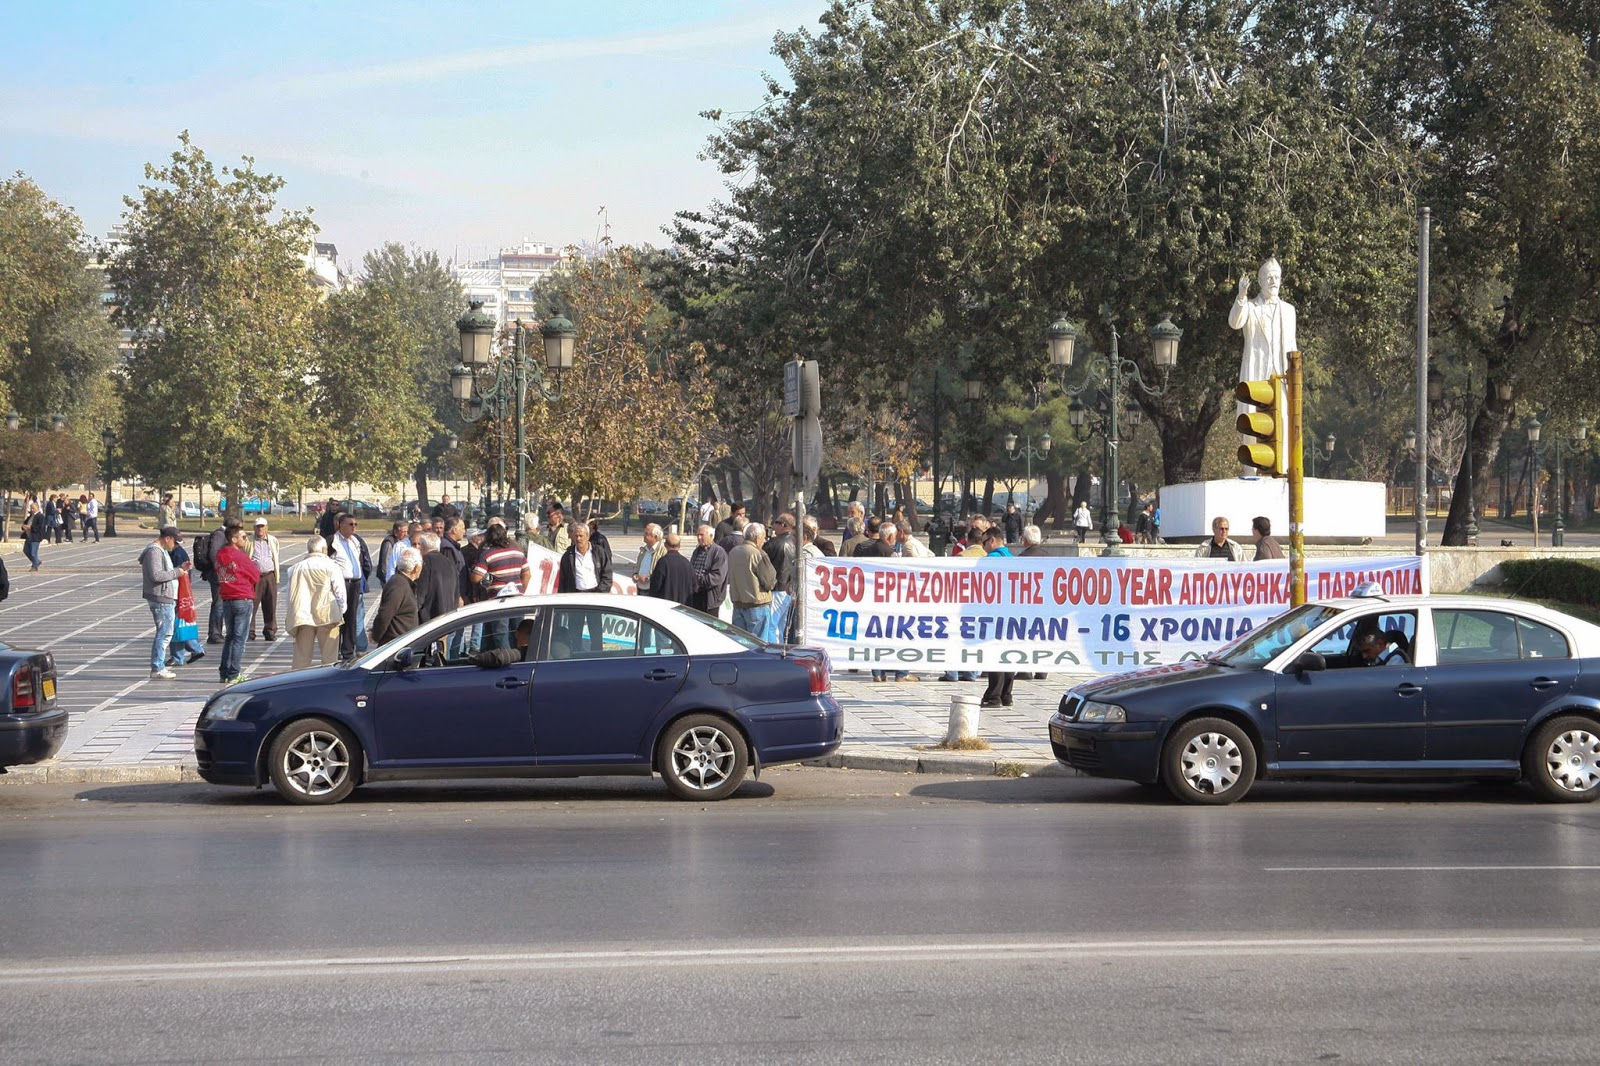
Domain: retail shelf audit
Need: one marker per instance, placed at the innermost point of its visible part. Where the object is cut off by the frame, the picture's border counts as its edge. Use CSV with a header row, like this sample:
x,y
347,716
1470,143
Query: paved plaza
x,y
84,606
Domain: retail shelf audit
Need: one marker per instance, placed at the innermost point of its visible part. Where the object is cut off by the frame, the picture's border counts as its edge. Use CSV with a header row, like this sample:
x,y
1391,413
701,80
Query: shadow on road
x,y
417,793
1078,790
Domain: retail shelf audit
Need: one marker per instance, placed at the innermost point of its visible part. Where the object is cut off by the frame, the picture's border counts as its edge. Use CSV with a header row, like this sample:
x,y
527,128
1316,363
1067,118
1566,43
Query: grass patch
x,y
1009,769
965,744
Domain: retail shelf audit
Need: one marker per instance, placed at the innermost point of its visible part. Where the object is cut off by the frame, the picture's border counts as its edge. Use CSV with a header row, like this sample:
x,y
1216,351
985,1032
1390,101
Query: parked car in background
x,y
1394,688
363,509
136,507
605,685
32,726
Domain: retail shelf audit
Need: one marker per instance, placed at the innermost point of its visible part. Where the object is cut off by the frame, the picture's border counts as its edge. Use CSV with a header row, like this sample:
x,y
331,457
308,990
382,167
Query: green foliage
x,y
214,284
55,342
1566,580
946,176
44,459
385,348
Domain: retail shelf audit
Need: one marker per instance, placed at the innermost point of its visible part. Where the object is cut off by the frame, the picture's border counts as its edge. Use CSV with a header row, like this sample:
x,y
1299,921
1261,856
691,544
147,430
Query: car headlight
x,y
1094,711
226,706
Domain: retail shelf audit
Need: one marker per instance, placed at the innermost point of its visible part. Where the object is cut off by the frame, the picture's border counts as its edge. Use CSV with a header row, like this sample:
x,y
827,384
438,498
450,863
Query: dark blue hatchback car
x,y
1402,688
531,686
32,725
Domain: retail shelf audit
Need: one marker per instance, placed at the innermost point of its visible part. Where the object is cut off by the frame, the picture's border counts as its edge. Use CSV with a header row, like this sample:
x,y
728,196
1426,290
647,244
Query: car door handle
x,y
1408,689
658,674
510,682
1542,683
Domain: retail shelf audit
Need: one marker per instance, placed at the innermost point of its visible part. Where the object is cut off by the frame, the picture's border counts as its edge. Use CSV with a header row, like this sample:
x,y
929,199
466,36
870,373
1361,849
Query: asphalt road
x,y
817,916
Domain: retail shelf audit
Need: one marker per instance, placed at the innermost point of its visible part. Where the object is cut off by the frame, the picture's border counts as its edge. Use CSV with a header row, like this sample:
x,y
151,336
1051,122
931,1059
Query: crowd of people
x,y
55,518
424,568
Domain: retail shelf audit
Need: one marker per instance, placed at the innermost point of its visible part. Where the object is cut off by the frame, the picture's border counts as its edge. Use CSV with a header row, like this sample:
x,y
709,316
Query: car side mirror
x,y
1308,662
405,659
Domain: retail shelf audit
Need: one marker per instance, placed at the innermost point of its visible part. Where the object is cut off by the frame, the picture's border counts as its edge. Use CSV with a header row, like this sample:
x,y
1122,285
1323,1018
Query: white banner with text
x,y
1050,613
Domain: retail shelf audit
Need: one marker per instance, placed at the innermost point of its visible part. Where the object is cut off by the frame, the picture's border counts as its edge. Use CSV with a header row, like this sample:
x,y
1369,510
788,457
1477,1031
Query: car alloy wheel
x,y
1209,761
702,757
1563,760
312,762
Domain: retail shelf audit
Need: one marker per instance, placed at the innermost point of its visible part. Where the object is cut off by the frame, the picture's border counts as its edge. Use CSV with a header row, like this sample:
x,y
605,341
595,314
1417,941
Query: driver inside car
x,y
1378,649
493,658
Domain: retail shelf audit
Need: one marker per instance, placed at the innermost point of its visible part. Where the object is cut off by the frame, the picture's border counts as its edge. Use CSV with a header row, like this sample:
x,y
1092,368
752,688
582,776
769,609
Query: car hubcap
x,y
316,764
1574,760
703,758
1211,763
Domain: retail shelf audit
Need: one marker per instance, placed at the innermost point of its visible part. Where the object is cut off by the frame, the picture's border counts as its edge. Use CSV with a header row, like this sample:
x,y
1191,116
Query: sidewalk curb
x,y
928,762
911,762
47,774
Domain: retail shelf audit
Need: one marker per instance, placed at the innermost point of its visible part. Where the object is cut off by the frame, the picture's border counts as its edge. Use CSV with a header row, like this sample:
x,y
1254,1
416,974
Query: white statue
x,y
1268,325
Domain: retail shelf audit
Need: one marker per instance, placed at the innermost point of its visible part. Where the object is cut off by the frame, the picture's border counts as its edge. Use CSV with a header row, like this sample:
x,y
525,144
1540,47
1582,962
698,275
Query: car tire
x,y
1562,760
1208,761
702,757
313,761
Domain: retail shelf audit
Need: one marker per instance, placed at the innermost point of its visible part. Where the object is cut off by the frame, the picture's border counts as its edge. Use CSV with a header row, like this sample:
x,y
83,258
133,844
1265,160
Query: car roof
x,y
699,638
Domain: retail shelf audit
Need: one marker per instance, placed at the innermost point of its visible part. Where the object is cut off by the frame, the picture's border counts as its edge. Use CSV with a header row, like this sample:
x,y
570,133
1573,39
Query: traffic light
x,y
1269,424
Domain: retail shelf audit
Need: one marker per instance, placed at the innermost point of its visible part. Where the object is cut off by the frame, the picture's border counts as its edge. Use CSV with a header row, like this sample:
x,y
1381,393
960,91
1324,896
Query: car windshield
x,y
733,633
1257,647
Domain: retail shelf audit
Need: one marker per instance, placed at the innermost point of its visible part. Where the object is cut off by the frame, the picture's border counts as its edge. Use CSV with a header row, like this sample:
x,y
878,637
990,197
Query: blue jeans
x,y
30,548
752,620
166,617
236,619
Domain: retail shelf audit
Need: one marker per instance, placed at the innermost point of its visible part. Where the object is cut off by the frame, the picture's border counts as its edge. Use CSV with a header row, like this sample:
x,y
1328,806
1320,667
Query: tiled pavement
x,y
85,607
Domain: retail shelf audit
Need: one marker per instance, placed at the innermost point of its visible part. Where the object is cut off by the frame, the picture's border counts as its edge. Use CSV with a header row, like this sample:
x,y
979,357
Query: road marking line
x,y
1409,869
356,965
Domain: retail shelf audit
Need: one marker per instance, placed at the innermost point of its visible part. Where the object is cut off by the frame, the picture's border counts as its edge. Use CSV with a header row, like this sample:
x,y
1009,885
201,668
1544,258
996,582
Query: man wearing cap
x,y
264,553
159,580
555,535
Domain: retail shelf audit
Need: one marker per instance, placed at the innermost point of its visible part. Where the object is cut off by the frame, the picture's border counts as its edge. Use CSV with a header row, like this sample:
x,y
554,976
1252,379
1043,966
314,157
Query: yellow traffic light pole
x,y
1276,423
1297,499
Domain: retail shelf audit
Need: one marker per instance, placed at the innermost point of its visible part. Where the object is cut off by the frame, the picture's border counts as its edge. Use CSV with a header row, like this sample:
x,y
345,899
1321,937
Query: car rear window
x,y
733,633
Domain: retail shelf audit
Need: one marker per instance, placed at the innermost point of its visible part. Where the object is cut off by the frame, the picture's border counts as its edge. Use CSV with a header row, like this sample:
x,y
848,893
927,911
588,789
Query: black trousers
x,y
352,619
999,688
266,607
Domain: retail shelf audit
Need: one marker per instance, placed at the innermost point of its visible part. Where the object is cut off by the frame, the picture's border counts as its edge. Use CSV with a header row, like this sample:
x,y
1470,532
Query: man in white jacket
x,y
316,605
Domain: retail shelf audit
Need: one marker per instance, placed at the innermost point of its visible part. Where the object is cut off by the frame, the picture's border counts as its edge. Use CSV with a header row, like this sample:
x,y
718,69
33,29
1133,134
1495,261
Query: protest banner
x,y
1043,614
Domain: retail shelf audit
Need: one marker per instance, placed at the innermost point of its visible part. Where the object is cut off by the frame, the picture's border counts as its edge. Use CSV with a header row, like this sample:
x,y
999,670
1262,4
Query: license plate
x,y
1058,734
49,688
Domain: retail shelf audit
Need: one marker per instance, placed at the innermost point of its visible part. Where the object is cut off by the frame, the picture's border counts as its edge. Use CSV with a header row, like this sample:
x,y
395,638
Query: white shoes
x,y
165,675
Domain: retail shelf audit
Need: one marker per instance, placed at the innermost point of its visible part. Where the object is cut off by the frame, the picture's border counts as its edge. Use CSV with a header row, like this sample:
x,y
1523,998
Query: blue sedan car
x,y
531,686
1399,688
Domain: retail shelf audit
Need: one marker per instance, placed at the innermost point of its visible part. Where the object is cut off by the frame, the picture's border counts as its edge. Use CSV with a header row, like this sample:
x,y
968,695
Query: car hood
x,y
295,678
1122,686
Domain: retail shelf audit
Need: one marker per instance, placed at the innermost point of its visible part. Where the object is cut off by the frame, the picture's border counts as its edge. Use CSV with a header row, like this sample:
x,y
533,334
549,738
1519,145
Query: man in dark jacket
x,y
397,611
673,576
709,564
585,566
439,587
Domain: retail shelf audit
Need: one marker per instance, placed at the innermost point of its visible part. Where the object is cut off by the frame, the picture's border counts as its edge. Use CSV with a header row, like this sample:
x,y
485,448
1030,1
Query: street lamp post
x,y
1561,447
109,439
1106,376
513,376
1030,454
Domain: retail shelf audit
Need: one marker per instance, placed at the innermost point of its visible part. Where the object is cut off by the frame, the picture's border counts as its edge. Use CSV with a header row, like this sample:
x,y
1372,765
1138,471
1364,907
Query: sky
x,y
457,127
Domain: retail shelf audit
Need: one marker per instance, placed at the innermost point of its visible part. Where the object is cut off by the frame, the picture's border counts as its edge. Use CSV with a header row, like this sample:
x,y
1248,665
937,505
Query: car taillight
x,y
816,664
22,688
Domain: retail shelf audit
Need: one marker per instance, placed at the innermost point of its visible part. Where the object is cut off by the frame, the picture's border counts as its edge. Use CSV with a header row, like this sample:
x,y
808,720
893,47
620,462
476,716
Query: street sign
x,y
793,399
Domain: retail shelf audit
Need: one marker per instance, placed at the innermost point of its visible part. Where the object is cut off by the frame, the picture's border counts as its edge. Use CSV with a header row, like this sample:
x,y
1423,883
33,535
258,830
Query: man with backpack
x,y
203,554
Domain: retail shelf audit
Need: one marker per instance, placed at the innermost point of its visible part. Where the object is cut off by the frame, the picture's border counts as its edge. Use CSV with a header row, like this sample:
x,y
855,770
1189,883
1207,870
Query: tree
x,y
56,344
949,176
625,404
385,349
213,283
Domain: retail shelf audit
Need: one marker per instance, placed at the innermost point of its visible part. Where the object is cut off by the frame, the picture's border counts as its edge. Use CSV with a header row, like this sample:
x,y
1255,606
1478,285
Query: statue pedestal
x,y
1337,512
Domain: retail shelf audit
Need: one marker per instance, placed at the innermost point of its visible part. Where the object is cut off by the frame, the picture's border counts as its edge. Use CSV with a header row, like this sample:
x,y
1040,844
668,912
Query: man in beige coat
x,y
316,605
